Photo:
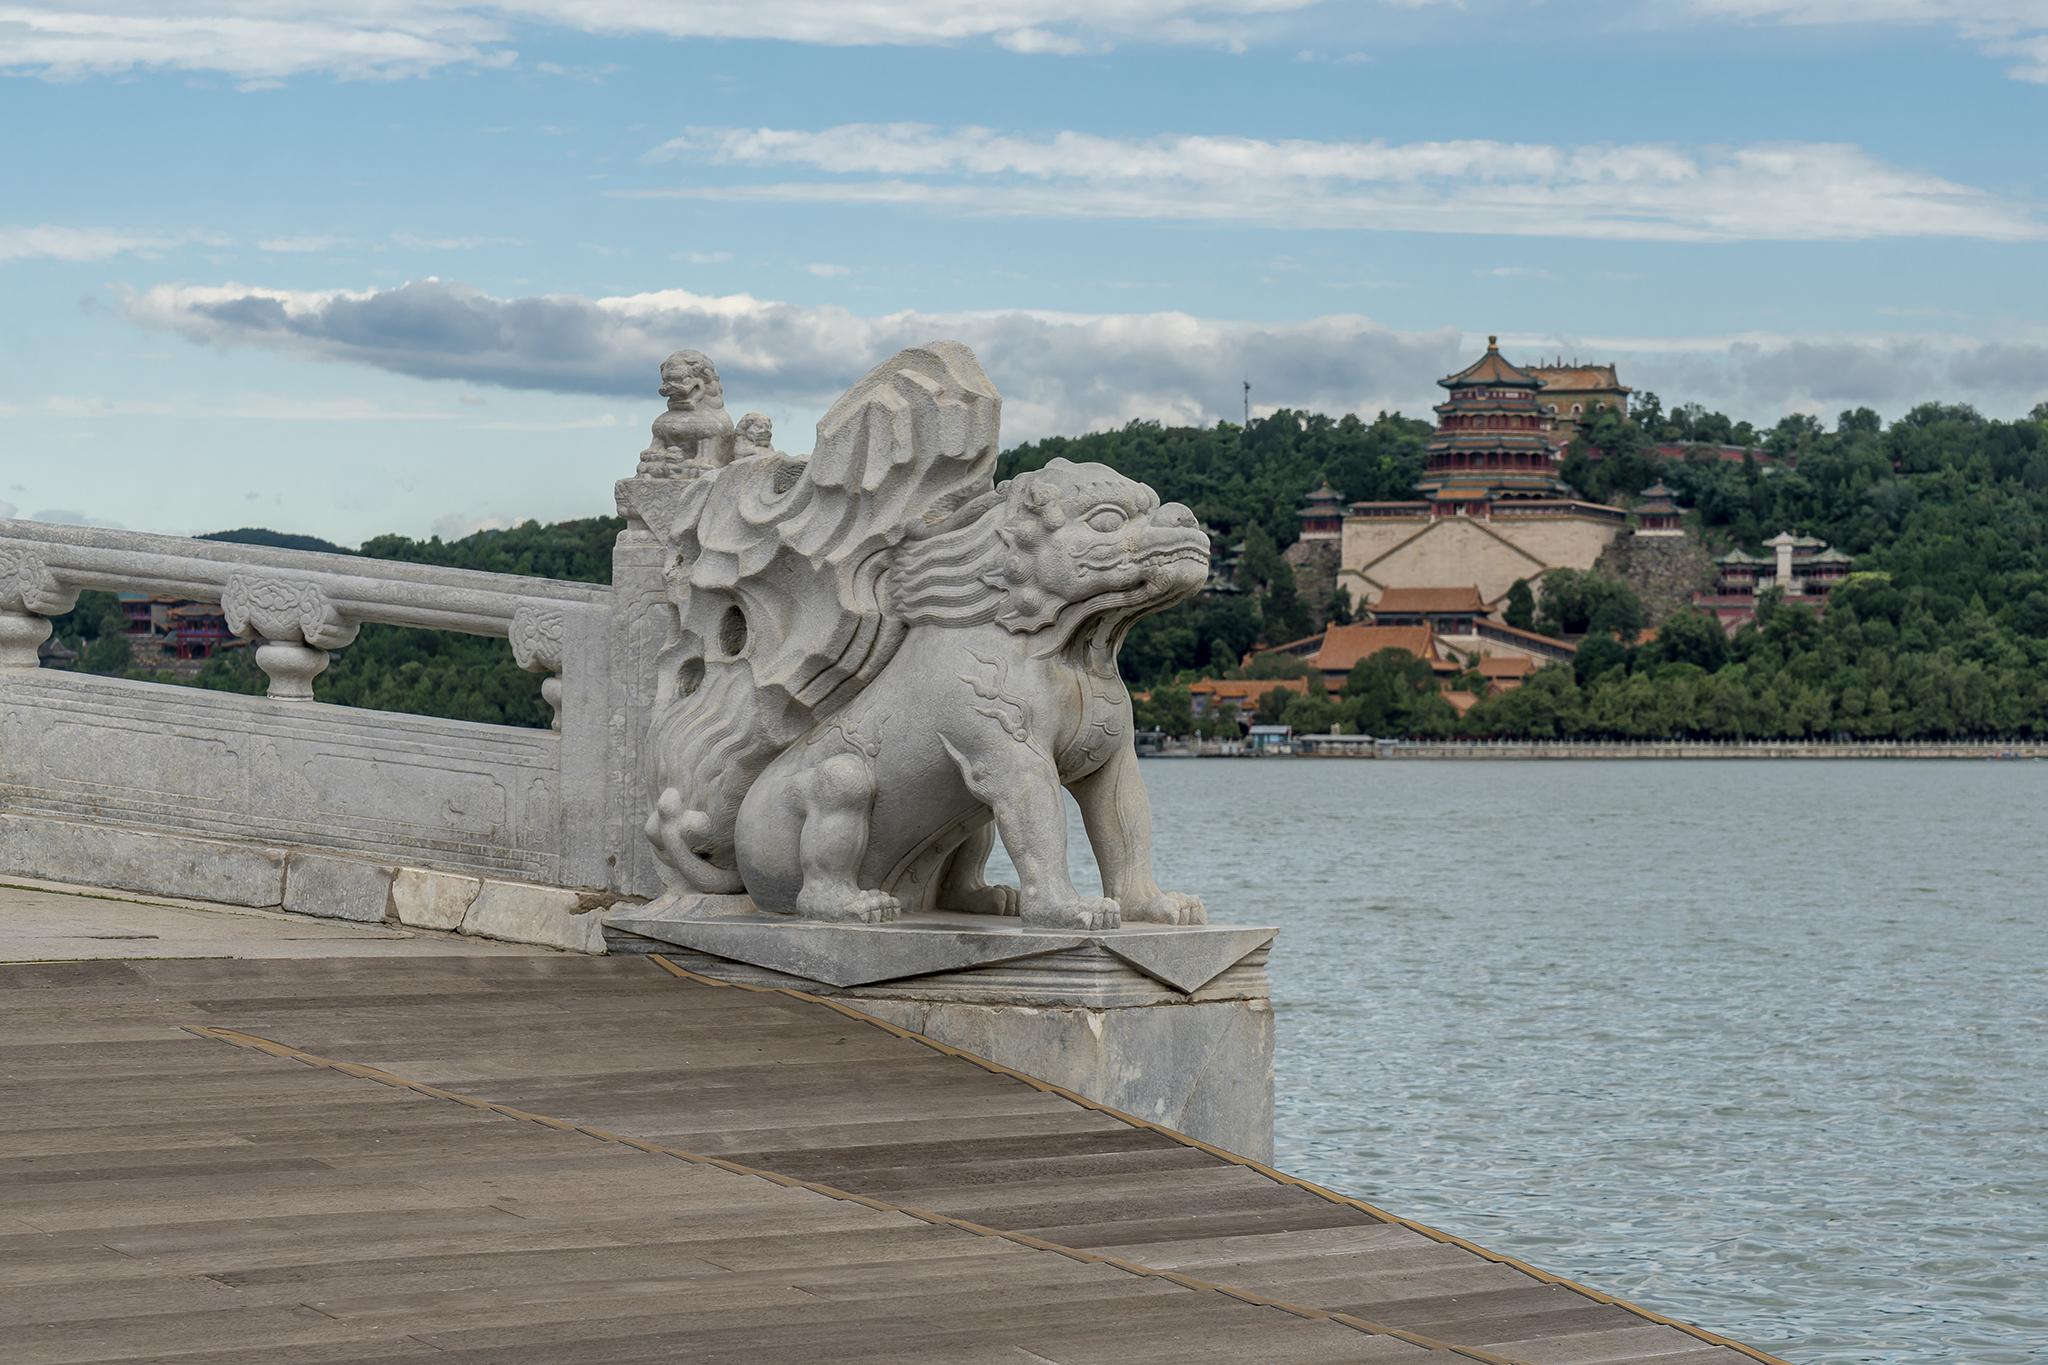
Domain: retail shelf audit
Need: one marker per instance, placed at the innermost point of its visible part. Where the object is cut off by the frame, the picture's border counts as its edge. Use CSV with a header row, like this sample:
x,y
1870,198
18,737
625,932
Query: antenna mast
x,y
1247,402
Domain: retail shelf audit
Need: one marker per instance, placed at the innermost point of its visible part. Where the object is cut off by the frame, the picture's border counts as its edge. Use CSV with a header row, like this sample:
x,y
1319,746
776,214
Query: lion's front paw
x,y
1080,912
983,900
1166,907
858,907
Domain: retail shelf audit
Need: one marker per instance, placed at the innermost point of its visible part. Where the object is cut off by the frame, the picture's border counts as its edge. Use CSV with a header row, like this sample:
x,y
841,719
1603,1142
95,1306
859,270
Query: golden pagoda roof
x,y
1588,378
1491,368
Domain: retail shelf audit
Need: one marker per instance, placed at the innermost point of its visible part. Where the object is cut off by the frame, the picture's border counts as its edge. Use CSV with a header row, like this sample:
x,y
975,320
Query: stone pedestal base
x,y
1171,1024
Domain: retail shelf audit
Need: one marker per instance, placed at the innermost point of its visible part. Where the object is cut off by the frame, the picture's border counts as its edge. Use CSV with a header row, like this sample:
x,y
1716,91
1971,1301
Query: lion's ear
x,y
1044,499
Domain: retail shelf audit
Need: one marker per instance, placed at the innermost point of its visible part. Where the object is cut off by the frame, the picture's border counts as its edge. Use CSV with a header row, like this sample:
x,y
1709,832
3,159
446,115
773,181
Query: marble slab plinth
x,y
975,954
1170,1023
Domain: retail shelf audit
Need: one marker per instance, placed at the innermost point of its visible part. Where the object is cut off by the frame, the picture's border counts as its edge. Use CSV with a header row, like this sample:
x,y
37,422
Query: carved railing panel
x,y
181,763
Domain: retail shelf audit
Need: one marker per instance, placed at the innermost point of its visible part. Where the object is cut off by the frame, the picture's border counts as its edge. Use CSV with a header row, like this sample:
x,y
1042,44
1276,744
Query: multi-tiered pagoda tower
x,y
1493,439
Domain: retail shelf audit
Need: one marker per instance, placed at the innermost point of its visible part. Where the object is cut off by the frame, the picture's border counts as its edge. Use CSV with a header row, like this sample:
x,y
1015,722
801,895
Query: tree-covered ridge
x,y
579,550
1235,478
1883,663
280,540
1942,631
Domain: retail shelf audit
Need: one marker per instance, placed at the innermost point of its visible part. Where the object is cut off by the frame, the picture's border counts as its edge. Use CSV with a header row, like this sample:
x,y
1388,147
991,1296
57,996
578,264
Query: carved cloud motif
x,y
284,609
26,584
537,639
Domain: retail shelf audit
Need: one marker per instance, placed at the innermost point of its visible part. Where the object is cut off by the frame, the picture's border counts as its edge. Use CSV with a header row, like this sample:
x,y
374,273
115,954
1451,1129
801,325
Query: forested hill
x,y
281,540
1237,477
1945,630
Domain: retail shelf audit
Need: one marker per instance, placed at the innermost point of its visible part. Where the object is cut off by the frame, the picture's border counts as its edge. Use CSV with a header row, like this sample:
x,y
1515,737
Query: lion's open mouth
x,y
1179,552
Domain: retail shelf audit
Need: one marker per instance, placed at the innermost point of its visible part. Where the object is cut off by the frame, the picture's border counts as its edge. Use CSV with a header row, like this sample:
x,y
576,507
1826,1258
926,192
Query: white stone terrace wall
x,y
185,792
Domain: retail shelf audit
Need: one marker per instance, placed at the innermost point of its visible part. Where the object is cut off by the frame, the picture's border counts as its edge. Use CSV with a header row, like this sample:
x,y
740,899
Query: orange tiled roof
x,y
1551,640
1344,646
1431,600
1494,666
1491,368
1461,702
1243,690
1579,377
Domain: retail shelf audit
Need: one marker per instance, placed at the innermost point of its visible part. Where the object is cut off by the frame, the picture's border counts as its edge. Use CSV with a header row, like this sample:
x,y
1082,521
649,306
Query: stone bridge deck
x,y
371,1145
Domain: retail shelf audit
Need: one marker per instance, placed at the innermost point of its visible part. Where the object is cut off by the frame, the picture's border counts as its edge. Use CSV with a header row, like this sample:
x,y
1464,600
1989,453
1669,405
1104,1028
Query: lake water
x,y
1760,1045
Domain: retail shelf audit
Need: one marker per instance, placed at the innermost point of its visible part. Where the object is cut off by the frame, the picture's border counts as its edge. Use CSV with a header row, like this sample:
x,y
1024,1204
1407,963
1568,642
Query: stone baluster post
x,y
296,624
537,648
29,596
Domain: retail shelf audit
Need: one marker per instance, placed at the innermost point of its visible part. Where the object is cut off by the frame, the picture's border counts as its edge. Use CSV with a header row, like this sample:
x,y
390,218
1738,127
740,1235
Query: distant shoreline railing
x,y
1360,746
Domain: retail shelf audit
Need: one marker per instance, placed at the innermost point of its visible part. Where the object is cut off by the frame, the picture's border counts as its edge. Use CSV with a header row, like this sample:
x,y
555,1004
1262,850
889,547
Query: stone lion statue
x,y
694,430
881,662
754,435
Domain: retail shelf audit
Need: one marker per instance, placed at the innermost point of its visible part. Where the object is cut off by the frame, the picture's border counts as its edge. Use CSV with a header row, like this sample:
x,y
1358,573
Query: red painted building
x,y
1322,514
198,629
1494,439
1805,570
171,628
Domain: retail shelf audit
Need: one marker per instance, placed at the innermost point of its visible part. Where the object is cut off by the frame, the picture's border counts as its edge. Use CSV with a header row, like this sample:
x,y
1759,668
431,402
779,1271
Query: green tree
x,y
1283,616
1390,693
1577,601
1597,656
1520,608
1691,637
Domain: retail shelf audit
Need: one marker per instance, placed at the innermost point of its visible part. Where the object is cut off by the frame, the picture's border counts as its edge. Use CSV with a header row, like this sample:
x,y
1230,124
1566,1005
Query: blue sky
x,y
410,265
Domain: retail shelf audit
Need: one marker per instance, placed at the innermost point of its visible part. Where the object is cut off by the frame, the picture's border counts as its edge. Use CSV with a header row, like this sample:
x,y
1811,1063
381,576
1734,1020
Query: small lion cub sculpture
x,y
880,663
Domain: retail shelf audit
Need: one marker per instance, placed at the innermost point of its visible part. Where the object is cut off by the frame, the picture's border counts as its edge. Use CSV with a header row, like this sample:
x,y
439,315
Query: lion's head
x,y
690,381
1063,546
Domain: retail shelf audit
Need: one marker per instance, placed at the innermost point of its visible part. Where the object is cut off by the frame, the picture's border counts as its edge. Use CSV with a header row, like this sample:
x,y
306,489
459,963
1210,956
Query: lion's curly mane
x,y
944,572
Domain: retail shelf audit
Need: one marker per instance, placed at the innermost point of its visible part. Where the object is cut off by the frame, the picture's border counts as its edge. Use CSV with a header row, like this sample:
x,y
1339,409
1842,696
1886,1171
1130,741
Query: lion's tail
x,y
673,830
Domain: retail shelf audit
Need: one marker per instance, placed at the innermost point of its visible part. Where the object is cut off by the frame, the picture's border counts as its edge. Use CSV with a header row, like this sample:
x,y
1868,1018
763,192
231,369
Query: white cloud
x,y
825,271
251,39
308,244
248,407
1060,372
2016,29
66,516
458,525
1645,191
704,257
53,243
262,41
410,241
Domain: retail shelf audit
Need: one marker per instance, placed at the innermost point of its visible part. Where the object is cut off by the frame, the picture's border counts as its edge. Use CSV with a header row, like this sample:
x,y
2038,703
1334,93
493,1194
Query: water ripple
x,y
1758,1045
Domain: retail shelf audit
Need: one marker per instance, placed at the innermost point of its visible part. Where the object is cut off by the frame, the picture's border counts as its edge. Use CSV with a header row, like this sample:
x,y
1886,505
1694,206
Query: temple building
x,y
1573,392
1657,514
164,632
1447,627
1495,507
1802,568
1493,438
1448,611
1322,514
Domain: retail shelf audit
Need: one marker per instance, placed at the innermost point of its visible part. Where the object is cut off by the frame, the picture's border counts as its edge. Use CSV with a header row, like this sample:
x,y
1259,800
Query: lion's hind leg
x,y
837,797
963,886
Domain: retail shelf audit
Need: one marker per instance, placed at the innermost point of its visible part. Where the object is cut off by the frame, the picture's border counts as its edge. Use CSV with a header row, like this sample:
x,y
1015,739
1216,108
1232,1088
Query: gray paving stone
x,y
337,888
